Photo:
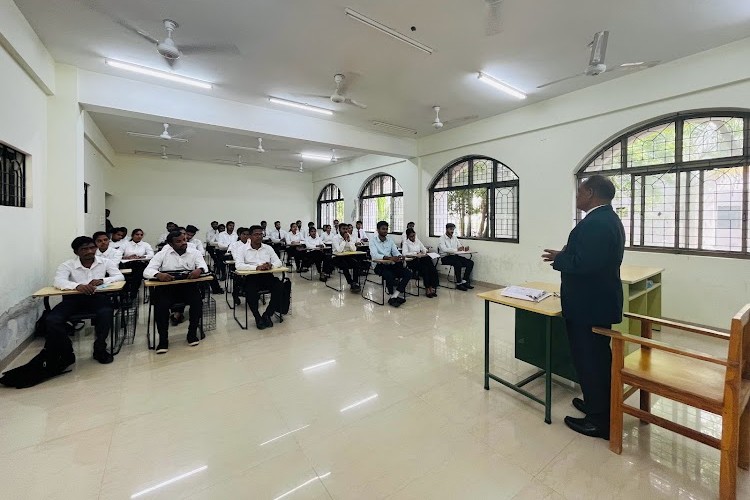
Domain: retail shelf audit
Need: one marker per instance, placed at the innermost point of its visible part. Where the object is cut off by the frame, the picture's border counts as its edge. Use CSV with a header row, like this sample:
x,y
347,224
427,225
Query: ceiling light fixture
x,y
311,156
300,105
625,65
388,31
158,74
502,86
397,128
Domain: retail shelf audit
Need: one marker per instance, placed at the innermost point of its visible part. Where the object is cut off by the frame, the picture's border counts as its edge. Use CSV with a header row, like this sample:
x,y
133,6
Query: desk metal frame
x,y
244,275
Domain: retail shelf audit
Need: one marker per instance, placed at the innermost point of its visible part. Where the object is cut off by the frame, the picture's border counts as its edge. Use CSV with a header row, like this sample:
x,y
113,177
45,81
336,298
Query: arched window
x,y
330,205
682,183
382,198
480,196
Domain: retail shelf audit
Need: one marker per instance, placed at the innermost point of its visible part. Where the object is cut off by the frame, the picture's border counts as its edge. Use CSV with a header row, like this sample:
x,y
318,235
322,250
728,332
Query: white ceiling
x,y
291,48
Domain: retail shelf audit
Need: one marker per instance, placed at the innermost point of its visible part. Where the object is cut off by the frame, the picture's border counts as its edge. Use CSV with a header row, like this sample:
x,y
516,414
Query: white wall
x,y
148,192
97,173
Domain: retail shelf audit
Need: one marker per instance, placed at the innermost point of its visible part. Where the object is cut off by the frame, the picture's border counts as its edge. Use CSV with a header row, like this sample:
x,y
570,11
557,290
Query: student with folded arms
x,y
449,245
176,257
256,256
411,246
344,242
104,249
382,247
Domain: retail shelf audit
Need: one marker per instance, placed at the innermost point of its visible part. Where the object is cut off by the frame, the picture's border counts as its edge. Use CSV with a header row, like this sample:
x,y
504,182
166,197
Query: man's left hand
x,y
549,255
195,273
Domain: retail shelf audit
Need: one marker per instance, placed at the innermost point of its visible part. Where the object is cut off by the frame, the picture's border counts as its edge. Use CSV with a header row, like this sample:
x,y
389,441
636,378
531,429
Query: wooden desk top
x,y
153,283
230,262
270,271
126,271
631,274
51,291
344,254
547,307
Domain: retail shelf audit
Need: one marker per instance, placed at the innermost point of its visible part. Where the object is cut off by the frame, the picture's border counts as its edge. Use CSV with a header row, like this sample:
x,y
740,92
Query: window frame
x,y
677,167
392,194
491,187
330,187
15,190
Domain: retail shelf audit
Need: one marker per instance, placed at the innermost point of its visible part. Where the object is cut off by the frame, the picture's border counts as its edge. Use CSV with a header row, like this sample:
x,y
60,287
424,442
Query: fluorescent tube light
x,y
388,31
300,105
503,87
158,74
310,156
625,65
397,128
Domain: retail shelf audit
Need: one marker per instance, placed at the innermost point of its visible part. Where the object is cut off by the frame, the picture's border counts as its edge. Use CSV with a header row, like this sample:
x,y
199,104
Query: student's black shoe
x,y
203,335
162,347
260,324
322,278
394,302
175,319
356,288
587,428
468,285
579,405
192,339
237,301
462,288
268,320
401,300
217,291
103,356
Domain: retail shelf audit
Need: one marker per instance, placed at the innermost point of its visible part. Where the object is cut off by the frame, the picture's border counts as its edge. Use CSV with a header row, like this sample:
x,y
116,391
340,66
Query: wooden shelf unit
x,y
638,296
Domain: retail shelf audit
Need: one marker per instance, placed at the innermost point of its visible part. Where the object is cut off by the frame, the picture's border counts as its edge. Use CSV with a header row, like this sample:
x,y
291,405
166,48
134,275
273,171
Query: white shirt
x,y
293,237
277,235
141,249
112,254
224,239
341,245
163,237
169,260
197,244
327,237
117,244
235,246
311,242
409,247
360,233
248,258
211,235
448,245
72,273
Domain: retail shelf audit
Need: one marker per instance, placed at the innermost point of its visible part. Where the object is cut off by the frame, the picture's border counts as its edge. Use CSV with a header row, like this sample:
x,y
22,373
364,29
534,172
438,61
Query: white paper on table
x,y
433,255
523,293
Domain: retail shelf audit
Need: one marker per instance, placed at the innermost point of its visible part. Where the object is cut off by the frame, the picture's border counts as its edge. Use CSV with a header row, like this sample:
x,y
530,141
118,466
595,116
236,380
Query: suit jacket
x,y
591,290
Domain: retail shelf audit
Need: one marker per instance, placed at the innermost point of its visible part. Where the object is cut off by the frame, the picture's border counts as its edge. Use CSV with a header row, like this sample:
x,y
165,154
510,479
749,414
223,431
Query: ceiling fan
x,y
338,96
163,155
258,149
238,162
169,49
166,136
301,168
438,124
492,26
596,61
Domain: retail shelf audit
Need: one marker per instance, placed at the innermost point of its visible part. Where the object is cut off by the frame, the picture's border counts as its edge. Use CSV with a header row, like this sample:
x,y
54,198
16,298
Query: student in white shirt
x,y
195,243
360,232
211,233
171,226
84,273
211,244
117,239
336,226
327,235
104,249
344,242
278,237
136,248
256,256
448,246
223,240
411,246
294,239
176,257
266,235
313,253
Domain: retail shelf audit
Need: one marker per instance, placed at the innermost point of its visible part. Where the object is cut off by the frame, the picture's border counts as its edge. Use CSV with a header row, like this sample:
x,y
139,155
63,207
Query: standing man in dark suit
x,y
591,295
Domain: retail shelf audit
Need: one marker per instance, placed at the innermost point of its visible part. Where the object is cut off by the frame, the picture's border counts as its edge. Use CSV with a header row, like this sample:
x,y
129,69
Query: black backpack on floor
x,y
286,296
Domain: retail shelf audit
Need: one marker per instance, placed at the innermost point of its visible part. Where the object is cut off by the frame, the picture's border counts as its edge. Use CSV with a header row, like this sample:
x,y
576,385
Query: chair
x,y
717,385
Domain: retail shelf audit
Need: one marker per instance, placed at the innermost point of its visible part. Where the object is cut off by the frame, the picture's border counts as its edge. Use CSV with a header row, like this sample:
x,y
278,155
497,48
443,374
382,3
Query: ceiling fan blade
x,y
560,80
599,48
463,119
493,26
355,103
218,48
147,136
633,66
177,139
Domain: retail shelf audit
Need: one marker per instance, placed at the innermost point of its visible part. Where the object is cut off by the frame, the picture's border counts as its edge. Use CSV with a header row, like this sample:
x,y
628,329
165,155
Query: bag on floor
x,y
43,366
286,296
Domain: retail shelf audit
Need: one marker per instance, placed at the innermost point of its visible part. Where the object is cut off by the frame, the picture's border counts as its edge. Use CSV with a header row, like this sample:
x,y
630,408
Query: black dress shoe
x,y
394,302
260,324
268,321
579,405
103,356
462,288
585,427
468,285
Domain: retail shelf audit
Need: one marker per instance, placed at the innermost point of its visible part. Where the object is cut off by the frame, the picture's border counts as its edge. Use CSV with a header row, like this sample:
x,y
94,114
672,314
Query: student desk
x,y
282,270
117,286
548,310
151,328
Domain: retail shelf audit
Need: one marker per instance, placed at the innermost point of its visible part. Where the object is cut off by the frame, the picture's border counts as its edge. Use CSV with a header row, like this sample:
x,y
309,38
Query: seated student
x,y
211,233
299,225
264,226
327,235
448,245
412,246
383,248
104,249
176,257
136,252
195,243
360,233
117,239
409,225
336,226
344,242
294,240
223,240
256,256
244,235
278,237
171,226
313,254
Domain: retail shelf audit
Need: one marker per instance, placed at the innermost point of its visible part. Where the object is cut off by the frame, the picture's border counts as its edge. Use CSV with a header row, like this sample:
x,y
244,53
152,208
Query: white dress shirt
x,y
341,245
197,244
72,273
211,235
224,239
448,245
163,237
117,244
293,237
361,234
277,235
415,247
112,254
235,246
248,258
327,237
169,260
311,242
141,249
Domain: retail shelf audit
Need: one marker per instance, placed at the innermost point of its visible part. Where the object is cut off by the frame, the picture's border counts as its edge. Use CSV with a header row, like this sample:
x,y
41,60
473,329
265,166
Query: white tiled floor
x,y
239,417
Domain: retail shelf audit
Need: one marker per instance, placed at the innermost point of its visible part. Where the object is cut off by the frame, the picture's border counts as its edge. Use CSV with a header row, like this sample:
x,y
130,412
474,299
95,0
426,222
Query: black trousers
x,y
592,359
426,270
459,262
292,252
277,248
312,257
391,272
254,284
57,339
184,293
221,267
134,279
351,266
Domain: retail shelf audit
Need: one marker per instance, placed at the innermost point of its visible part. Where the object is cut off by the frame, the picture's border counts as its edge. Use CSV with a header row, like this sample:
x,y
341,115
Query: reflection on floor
x,y
346,400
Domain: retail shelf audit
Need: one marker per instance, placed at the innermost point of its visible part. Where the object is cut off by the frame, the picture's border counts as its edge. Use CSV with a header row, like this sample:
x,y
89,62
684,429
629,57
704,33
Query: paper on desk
x,y
104,286
433,255
523,293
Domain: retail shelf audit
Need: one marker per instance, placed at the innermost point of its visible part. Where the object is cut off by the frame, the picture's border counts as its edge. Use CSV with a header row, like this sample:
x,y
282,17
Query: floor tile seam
x,y
57,438
106,462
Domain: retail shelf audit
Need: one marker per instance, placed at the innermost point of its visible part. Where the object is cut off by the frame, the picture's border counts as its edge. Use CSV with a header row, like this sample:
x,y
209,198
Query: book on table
x,y
524,293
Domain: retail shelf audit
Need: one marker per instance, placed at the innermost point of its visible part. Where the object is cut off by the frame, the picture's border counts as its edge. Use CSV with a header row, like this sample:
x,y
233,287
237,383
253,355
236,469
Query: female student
x,y
411,246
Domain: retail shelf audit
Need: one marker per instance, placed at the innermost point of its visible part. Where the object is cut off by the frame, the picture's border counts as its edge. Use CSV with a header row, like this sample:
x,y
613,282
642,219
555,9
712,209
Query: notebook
x,y
523,293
